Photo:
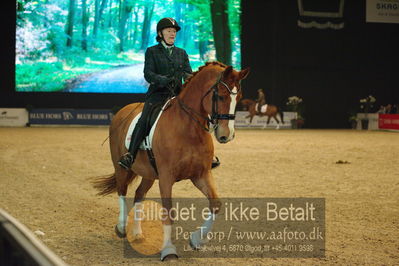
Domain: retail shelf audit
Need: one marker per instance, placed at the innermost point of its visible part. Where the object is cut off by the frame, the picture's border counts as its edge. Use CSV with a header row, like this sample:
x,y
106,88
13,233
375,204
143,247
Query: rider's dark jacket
x,y
163,71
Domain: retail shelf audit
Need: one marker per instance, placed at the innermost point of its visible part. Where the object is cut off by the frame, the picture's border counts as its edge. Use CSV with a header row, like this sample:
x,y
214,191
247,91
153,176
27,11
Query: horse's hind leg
x,y
268,121
141,191
278,122
123,179
250,119
207,186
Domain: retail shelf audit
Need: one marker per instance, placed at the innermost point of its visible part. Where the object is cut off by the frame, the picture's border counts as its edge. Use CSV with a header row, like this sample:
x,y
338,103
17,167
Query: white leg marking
x,y
138,211
199,237
167,248
167,235
122,214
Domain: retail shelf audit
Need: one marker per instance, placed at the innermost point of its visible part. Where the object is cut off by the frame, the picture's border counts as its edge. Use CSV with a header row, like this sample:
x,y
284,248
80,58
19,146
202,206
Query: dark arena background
x,y
339,142
330,69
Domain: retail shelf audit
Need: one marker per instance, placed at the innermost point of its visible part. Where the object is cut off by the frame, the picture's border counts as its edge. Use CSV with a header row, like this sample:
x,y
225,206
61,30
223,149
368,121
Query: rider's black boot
x,y
126,161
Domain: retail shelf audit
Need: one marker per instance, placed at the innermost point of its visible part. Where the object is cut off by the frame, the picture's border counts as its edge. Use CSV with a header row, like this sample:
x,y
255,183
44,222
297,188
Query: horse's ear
x,y
227,71
244,73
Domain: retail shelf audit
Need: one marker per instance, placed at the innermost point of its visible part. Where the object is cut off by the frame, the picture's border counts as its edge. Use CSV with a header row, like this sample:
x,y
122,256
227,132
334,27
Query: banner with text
x,y
243,228
387,121
383,11
70,117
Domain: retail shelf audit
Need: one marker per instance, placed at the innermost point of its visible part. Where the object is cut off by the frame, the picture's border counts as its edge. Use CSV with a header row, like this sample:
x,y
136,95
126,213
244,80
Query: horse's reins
x,y
215,117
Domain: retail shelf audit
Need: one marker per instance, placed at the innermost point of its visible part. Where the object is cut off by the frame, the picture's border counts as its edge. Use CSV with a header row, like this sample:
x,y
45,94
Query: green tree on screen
x,y
221,30
70,23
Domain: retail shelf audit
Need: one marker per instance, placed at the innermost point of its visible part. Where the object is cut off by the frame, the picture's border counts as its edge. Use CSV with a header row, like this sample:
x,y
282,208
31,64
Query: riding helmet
x,y
167,23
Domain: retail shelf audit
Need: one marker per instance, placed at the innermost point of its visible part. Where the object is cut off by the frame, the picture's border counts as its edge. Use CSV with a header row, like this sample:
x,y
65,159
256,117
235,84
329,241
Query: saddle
x,y
263,108
152,120
151,123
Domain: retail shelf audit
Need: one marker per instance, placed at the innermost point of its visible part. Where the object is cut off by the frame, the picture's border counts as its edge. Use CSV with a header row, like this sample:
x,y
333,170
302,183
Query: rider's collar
x,y
167,46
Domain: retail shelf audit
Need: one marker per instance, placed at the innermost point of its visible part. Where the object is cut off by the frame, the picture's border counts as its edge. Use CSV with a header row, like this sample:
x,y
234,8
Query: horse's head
x,y
221,102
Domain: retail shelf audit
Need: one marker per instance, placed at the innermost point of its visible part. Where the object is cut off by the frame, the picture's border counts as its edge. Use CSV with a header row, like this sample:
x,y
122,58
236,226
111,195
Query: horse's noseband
x,y
215,116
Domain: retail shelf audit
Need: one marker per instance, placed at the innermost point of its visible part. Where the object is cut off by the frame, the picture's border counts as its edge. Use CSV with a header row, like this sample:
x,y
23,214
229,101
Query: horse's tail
x,y
107,184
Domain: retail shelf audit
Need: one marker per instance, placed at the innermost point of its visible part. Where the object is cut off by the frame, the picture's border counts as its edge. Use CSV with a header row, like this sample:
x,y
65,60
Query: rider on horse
x,y
261,100
164,68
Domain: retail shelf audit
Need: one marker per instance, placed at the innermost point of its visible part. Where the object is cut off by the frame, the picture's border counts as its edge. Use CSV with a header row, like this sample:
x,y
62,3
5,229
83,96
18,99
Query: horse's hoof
x,y
195,240
170,257
118,233
194,247
169,253
215,163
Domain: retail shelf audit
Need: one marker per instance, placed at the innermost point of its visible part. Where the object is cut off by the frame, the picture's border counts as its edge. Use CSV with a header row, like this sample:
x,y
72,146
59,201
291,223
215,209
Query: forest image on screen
x,y
98,46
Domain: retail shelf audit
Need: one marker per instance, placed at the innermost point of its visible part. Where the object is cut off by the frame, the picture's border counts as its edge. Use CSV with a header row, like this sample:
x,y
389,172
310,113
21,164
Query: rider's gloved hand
x,y
164,81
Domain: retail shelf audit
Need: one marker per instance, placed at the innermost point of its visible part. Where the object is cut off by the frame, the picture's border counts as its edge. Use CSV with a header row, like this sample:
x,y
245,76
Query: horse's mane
x,y
213,63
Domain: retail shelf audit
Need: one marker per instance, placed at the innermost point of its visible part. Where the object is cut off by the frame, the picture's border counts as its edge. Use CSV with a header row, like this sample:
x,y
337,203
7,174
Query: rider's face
x,y
169,35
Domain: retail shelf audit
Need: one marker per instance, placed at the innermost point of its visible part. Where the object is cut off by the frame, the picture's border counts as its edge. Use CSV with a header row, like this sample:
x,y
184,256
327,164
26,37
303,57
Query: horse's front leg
x,y
141,191
207,186
168,249
250,119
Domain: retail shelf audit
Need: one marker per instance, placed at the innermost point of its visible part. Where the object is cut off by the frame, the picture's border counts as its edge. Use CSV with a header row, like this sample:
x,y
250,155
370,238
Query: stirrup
x,y
126,161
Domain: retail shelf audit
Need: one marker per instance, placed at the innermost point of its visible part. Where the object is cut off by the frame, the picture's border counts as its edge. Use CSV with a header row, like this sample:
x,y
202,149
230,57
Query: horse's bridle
x,y
213,119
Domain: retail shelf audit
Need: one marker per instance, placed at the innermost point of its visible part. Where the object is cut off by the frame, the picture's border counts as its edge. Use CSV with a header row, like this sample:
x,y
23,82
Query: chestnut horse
x,y
271,111
182,145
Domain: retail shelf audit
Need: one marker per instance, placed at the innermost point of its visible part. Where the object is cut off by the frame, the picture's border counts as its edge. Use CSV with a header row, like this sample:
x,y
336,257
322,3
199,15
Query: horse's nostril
x,y
223,139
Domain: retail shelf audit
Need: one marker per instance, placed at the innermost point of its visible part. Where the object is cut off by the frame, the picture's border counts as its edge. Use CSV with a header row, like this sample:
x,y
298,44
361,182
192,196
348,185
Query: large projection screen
x,y
98,46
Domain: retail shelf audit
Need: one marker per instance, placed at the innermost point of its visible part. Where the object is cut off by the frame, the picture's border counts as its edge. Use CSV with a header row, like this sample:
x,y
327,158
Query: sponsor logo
x,y
67,115
13,117
70,116
5,116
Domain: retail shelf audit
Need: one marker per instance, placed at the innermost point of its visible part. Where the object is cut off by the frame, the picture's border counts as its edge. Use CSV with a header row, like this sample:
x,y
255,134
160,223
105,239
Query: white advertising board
x,y
261,121
13,117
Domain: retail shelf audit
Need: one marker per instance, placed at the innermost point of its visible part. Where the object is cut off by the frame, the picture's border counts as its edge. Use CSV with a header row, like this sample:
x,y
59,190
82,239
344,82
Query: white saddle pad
x,y
147,142
262,109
